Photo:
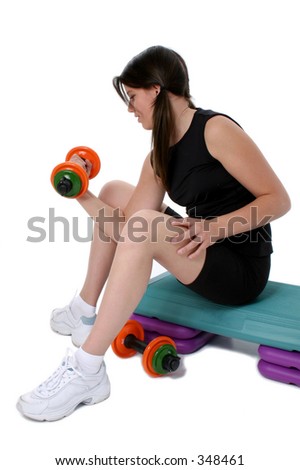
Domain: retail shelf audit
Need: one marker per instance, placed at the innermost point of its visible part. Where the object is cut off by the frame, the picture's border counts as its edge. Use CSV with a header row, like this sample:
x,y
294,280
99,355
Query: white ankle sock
x,y
89,363
79,307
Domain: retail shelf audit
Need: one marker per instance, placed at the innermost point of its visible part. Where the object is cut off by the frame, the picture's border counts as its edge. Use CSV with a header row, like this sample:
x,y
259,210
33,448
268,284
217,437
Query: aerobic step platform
x,y
273,319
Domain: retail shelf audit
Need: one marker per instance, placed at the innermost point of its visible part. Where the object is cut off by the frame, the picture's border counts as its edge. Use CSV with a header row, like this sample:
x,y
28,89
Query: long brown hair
x,y
161,66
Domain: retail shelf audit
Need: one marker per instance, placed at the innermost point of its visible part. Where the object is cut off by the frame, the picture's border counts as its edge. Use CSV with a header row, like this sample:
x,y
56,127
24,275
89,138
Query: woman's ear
x,y
157,89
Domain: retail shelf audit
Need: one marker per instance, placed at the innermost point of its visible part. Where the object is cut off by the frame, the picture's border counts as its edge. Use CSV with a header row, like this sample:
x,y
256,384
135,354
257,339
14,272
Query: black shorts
x,y
228,276
231,278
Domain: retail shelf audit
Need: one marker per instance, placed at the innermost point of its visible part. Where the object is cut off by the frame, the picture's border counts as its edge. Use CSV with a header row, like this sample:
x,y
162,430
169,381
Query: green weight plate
x,y
71,176
159,355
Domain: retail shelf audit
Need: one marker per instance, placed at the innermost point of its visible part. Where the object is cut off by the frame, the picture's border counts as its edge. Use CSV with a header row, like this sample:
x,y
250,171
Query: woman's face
x,y
141,104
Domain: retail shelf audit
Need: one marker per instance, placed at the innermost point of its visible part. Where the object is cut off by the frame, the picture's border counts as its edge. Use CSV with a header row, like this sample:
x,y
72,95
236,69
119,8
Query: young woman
x,y
205,162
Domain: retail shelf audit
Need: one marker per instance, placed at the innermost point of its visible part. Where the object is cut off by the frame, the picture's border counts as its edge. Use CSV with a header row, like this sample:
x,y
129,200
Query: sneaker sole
x,y
69,332
55,416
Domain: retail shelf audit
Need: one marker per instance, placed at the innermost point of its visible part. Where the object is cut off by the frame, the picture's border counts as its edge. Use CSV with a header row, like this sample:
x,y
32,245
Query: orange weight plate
x,y
132,327
151,349
77,169
87,154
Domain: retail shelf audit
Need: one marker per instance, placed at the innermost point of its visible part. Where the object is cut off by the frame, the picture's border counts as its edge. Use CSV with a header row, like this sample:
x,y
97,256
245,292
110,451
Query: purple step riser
x,y
165,328
185,346
279,373
280,356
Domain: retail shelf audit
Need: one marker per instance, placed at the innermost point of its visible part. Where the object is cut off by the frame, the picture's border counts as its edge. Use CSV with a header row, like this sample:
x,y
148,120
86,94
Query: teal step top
x,y
273,319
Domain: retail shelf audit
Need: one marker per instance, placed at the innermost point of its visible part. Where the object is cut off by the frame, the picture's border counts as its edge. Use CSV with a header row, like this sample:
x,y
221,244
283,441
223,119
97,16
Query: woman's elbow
x,y
284,204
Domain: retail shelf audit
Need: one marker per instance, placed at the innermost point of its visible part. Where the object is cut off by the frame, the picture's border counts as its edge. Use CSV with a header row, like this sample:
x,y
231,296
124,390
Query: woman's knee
x,y
116,193
145,226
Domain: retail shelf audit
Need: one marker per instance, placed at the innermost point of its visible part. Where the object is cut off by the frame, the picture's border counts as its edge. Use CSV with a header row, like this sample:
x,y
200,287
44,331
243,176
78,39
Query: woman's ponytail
x,y
163,128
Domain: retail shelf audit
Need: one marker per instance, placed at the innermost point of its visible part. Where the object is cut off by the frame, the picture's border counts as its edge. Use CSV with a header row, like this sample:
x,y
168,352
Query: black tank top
x,y
199,182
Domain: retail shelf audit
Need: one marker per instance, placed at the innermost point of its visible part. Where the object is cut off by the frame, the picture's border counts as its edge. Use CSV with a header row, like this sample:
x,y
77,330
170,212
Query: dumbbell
x,y
69,179
159,356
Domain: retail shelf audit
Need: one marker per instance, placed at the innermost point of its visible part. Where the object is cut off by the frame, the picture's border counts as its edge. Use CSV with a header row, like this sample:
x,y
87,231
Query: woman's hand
x,y
198,234
85,164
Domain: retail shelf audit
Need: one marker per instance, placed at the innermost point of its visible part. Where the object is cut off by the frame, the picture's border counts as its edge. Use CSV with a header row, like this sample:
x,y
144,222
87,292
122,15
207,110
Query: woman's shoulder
x,y
219,116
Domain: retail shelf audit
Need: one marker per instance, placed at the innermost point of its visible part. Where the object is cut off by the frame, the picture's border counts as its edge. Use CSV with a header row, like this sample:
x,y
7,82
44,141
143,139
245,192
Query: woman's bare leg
x,y
130,272
116,194
83,379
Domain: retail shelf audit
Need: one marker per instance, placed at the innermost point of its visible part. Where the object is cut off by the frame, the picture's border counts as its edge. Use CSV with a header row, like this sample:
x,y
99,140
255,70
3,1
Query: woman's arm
x,y
148,194
240,156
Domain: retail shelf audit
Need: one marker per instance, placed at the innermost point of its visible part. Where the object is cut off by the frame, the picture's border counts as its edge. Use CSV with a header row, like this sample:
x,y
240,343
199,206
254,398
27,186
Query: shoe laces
x,y
63,374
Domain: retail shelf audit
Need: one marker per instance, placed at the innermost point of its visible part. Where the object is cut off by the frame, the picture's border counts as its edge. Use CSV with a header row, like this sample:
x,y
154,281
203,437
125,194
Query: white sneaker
x,y
62,321
63,391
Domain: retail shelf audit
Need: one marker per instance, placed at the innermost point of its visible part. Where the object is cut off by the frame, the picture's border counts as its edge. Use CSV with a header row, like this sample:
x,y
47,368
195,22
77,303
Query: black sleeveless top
x,y
199,182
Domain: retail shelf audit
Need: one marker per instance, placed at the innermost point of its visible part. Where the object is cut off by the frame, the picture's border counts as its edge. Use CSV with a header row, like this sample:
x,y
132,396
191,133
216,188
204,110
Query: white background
x,y
57,60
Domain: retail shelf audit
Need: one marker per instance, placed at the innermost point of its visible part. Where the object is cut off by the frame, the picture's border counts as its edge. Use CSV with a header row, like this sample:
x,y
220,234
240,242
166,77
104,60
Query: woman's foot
x,y
75,319
64,390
